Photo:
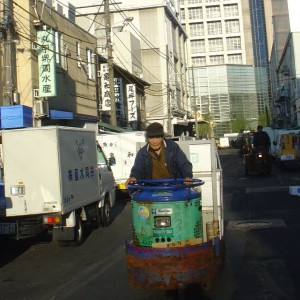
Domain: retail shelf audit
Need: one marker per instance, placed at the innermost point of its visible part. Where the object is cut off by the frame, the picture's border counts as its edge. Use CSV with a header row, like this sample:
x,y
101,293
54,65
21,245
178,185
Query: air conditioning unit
x,y
41,108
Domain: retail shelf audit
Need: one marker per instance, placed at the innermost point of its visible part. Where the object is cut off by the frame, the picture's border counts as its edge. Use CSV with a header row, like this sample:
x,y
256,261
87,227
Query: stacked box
x,y
16,116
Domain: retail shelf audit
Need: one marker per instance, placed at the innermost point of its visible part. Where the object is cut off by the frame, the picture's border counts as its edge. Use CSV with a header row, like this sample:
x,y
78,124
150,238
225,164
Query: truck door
x,y
105,172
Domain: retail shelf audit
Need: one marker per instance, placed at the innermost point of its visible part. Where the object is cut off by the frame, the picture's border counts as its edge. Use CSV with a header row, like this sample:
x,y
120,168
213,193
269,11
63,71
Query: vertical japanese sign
x,y
105,91
119,97
131,102
46,63
106,106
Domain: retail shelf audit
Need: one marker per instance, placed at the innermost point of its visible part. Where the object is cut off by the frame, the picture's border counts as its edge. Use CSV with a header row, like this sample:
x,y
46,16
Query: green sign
x,y
46,63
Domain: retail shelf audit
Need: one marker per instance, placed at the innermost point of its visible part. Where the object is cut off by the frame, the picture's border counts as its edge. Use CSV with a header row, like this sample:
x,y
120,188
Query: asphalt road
x,y
262,230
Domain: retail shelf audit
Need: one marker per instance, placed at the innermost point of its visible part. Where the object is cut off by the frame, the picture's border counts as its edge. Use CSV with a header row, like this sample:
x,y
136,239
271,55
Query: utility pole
x,y
10,84
169,123
113,116
195,108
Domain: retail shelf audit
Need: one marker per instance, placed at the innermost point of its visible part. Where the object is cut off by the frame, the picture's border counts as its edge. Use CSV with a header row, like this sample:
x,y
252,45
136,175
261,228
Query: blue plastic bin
x,y
16,116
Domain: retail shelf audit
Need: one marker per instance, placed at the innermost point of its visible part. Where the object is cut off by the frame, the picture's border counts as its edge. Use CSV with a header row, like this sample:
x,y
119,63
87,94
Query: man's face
x,y
155,143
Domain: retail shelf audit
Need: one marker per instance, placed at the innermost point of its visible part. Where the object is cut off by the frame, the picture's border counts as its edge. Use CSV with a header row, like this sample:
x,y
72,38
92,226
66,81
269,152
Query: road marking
x,y
256,224
260,189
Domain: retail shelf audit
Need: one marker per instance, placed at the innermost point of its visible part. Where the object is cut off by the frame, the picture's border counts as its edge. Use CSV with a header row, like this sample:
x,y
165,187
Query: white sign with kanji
x,y
131,102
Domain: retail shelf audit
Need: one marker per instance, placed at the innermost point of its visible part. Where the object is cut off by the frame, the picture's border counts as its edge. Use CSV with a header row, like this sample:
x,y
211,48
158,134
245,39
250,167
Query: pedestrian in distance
x,y
160,158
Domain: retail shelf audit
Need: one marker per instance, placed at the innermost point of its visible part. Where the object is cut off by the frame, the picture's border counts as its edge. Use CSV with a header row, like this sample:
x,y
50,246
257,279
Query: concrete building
x,y
285,62
33,34
223,36
153,46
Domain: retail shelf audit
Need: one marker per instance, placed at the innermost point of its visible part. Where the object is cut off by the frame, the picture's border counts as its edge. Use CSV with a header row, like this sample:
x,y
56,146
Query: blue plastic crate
x,y
16,116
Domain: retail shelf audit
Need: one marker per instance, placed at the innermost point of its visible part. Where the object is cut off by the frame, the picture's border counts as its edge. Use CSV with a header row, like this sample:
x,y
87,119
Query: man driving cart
x,y
160,158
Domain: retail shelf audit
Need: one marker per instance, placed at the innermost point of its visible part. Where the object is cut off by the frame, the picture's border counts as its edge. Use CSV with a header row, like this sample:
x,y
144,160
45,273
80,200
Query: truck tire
x,y
78,235
78,232
105,213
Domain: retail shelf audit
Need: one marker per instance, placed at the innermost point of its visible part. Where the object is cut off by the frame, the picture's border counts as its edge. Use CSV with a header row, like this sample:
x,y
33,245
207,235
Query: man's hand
x,y
130,180
188,181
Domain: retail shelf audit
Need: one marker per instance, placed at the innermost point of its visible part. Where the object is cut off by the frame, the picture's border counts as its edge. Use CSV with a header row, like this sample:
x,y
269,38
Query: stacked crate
x,y
15,116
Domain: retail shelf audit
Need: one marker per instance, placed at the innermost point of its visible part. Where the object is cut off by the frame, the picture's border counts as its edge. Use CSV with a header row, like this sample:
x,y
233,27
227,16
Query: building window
x,y
198,46
199,61
215,45
182,14
214,28
232,26
231,10
235,58
194,1
213,12
195,13
196,29
211,1
233,43
90,64
216,59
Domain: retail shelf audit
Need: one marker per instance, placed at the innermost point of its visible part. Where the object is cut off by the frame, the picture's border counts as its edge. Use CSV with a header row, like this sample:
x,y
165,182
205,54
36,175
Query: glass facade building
x,y
229,95
228,51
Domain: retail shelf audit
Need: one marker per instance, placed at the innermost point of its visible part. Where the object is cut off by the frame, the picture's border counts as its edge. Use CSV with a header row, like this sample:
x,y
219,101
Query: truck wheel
x,y
105,213
78,232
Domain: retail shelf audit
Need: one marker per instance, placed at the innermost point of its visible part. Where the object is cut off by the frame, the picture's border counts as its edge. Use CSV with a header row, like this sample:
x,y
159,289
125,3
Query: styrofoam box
x,y
16,116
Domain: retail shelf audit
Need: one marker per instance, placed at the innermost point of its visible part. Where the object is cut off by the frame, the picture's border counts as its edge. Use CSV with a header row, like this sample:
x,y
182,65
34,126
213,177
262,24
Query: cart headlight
x,y
260,155
17,190
160,222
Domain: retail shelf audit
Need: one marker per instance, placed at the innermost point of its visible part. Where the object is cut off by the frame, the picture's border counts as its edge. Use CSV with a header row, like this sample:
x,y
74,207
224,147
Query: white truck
x,y
56,180
121,150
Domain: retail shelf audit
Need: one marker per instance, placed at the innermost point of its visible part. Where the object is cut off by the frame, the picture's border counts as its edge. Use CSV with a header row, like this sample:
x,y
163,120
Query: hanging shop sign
x,y
46,63
131,102
106,105
119,98
105,91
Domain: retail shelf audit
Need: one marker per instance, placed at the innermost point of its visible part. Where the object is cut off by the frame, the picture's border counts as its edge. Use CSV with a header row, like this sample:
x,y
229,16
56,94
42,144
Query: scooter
x,y
258,162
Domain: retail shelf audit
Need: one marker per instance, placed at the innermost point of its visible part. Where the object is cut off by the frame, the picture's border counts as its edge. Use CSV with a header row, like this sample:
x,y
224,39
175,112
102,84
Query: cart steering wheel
x,y
164,184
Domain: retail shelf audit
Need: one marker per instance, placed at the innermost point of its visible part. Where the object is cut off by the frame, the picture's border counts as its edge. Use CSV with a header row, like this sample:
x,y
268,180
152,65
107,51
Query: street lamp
x,y
125,22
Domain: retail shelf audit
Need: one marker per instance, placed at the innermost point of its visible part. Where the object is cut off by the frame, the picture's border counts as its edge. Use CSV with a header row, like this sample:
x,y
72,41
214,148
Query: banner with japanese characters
x,y
119,97
118,90
104,70
131,102
46,63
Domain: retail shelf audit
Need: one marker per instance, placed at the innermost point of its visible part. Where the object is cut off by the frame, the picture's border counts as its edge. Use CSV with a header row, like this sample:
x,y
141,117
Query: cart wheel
x,y
105,213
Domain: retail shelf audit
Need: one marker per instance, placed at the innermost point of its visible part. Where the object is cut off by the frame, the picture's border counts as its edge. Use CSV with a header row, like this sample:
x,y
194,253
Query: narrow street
x,y
262,227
